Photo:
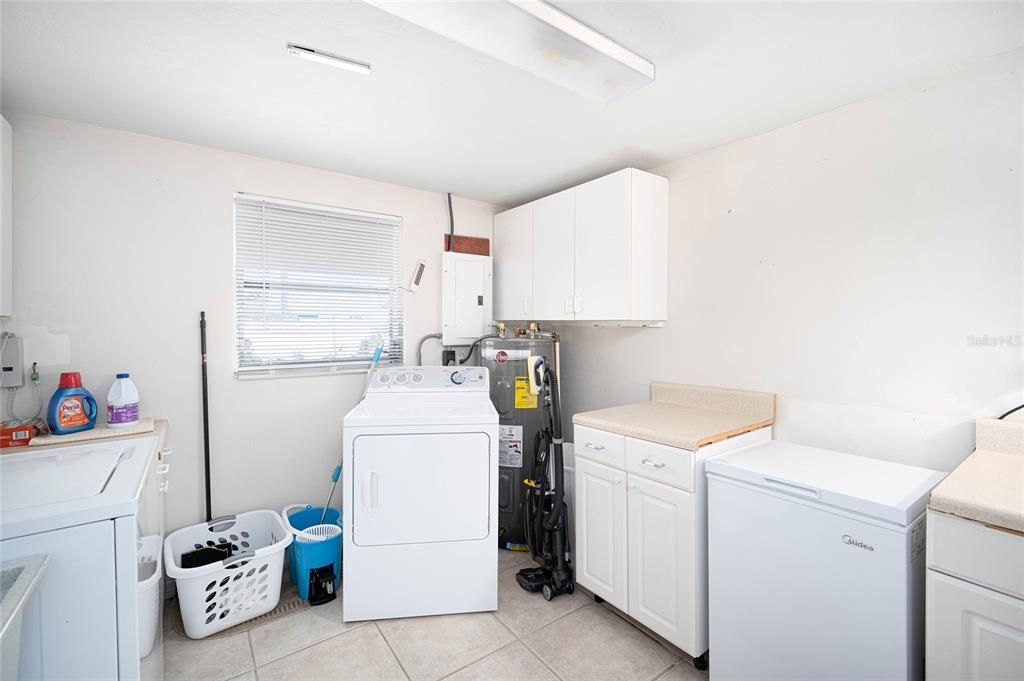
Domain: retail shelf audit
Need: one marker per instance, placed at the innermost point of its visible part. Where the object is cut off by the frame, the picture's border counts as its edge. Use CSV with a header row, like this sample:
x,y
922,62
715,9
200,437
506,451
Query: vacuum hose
x,y
552,519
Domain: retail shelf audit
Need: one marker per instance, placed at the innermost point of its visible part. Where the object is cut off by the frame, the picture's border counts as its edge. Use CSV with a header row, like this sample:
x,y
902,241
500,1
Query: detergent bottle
x,y
72,407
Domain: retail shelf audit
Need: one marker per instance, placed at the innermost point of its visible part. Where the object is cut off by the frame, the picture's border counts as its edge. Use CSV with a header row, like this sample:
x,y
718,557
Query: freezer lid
x,y
888,491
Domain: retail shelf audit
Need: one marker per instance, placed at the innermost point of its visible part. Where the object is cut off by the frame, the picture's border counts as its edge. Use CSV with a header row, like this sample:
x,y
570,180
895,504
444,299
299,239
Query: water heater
x,y
520,418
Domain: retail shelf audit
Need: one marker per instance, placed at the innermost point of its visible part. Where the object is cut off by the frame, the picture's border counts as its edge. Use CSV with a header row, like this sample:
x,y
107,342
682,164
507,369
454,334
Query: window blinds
x,y
315,286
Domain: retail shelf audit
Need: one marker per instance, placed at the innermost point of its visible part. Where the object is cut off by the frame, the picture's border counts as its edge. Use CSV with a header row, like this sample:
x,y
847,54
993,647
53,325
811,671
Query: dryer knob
x,y
458,378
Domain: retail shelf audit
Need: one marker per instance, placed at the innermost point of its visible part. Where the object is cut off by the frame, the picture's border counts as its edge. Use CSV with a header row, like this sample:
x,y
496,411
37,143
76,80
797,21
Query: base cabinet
x,y
661,557
974,634
601,531
640,532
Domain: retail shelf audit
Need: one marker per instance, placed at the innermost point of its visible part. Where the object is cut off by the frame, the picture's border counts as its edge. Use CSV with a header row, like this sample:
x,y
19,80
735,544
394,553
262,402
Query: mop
x,y
336,475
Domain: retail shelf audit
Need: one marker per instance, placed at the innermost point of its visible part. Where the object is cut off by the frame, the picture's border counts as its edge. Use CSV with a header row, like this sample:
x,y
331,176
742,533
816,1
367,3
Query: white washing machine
x,y
96,511
420,472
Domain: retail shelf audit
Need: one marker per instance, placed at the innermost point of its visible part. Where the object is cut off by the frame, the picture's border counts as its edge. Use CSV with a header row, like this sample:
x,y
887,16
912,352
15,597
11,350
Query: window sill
x,y
301,372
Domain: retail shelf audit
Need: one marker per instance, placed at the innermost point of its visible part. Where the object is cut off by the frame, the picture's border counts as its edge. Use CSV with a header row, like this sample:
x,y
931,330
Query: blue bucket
x,y
305,556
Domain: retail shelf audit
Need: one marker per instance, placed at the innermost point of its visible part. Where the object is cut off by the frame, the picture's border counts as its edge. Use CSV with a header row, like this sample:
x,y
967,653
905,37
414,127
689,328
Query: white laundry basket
x,y
246,585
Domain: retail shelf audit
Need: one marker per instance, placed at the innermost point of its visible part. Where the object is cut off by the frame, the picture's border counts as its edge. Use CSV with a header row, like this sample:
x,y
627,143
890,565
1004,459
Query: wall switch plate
x,y
12,364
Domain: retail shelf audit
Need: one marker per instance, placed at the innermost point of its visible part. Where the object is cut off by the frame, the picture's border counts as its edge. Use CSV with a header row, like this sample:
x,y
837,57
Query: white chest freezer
x,y
816,565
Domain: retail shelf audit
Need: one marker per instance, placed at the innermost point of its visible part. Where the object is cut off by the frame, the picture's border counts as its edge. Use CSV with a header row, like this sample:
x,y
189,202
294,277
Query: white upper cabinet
x,y
6,223
599,252
513,271
553,218
602,248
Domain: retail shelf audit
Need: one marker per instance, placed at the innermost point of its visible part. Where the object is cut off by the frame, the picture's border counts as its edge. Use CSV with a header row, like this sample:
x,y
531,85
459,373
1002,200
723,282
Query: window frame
x,y
314,367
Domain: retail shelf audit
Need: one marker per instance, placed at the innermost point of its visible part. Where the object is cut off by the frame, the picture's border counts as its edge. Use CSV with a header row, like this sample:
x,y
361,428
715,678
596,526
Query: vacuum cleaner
x,y
546,514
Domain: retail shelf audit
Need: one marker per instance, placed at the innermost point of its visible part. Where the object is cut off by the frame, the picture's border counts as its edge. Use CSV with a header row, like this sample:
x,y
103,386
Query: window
x,y
316,287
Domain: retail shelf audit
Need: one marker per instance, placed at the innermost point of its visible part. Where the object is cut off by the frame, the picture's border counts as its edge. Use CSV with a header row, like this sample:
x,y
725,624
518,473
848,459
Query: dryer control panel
x,y
429,379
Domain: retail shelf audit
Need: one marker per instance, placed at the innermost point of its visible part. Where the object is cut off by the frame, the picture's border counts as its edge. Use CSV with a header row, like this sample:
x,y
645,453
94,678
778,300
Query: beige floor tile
x,y
357,655
592,644
295,632
523,612
510,559
684,671
248,676
214,659
433,647
514,662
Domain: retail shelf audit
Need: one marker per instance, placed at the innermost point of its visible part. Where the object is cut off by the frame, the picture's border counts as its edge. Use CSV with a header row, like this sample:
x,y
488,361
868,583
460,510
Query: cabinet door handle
x,y
596,448
648,462
163,468
526,305
165,485
165,453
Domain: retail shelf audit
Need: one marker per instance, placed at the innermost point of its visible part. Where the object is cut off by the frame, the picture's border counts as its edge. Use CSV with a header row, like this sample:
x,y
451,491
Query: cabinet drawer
x,y
660,462
601,446
967,549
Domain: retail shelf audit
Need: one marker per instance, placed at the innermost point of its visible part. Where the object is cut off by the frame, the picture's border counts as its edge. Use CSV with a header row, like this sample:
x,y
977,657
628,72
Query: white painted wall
x,y
843,262
120,240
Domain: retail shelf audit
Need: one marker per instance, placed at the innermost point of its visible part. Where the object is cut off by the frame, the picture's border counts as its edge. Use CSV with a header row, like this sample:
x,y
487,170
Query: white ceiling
x,y
442,117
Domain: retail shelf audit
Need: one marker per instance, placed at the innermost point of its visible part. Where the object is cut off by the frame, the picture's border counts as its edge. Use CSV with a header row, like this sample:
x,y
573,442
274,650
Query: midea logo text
x,y
847,539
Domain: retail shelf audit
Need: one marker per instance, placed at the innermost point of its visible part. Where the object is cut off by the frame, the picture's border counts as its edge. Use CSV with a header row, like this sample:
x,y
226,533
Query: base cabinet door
x,y
661,559
601,531
972,633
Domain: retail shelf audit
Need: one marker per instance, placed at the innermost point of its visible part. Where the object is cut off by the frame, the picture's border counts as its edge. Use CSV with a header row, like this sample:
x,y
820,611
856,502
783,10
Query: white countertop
x,y
685,416
988,486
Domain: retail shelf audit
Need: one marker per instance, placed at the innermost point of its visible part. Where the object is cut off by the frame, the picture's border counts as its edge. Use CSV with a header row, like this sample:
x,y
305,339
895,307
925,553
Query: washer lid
x,y
44,489
61,475
888,491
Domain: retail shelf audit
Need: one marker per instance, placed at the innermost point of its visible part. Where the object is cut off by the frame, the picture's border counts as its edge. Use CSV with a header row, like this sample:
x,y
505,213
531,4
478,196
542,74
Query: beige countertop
x,y
989,485
685,416
153,426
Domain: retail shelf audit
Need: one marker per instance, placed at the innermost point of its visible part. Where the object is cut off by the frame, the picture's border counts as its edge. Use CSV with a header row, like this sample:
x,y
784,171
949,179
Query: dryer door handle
x,y
370,496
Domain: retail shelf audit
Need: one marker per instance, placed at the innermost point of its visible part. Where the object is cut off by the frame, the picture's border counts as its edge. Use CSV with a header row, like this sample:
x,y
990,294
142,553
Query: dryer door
x,y
421,488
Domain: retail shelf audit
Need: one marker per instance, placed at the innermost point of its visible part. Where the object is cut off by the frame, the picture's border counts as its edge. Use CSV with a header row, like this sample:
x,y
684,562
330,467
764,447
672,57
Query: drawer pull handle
x,y
591,445
648,462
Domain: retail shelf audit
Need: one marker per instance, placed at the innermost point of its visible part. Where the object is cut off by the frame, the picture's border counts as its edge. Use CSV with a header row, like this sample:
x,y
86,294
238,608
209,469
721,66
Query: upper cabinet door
x,y
602,247
513,264
553,218
6,223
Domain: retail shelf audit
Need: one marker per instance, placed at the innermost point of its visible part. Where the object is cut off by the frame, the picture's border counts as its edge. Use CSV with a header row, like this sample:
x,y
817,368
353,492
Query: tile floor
x,y
527,639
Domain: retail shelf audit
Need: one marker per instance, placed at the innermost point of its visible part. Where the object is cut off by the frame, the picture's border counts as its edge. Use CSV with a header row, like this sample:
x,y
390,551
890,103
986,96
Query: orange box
x,y
20,433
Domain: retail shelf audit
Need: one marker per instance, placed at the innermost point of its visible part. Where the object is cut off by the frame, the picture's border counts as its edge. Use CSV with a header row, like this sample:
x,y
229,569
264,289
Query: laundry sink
x,y
18,582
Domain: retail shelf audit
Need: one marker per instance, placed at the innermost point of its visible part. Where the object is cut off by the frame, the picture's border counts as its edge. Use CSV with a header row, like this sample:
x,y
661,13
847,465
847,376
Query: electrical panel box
x,y
466,292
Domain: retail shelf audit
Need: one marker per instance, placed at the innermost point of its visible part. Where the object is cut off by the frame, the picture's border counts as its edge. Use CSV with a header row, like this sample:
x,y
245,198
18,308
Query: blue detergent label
x,y
125,413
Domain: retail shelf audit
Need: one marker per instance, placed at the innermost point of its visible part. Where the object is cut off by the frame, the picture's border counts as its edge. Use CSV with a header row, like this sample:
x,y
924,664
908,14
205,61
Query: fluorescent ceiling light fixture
x,y
329,59
536,37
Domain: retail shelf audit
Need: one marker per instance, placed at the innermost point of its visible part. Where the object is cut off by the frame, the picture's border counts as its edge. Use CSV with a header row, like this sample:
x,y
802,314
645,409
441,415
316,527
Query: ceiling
x,y
439,116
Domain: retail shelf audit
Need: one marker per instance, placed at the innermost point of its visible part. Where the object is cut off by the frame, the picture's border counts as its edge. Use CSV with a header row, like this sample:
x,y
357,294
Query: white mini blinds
x,y
316,287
